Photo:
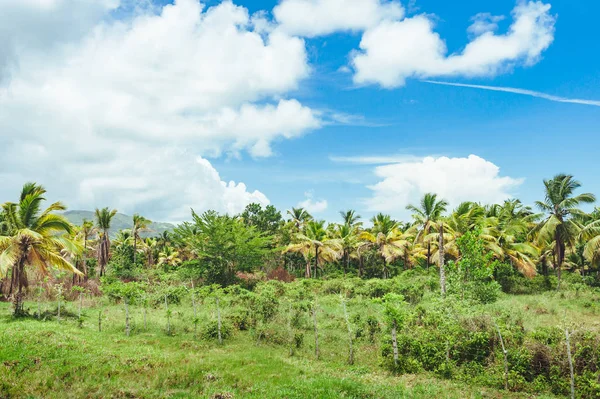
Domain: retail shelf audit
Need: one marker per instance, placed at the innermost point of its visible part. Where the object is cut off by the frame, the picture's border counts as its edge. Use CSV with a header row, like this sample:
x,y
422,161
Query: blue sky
x,y
317,150
526,137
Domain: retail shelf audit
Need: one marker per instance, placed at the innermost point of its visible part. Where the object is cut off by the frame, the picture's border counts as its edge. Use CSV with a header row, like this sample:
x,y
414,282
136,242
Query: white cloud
x,y
454,179
83,118
525,92
484,22
311,205
393,51
322,17
374,159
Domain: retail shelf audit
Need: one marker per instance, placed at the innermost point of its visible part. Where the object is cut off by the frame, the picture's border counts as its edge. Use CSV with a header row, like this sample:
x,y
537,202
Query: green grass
x,y
51,359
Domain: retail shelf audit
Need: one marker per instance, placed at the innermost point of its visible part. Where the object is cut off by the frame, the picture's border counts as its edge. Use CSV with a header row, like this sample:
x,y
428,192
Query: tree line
x,y
260,242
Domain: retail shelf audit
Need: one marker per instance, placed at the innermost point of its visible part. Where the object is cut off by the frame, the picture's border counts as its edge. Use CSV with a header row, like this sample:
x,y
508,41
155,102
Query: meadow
x,y
268,343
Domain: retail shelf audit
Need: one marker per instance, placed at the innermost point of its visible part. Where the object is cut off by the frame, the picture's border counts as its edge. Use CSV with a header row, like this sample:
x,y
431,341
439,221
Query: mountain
x,y
119,222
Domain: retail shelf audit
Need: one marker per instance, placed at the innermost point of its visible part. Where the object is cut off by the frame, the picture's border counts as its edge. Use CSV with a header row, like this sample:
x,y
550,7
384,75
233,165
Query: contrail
x,y
520,91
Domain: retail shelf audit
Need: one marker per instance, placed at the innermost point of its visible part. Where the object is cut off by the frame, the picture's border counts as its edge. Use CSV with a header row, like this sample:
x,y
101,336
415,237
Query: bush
x,y
210,331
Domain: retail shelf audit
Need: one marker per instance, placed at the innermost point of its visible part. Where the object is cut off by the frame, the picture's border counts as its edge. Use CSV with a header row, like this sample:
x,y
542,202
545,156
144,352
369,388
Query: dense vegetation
x,y
494,296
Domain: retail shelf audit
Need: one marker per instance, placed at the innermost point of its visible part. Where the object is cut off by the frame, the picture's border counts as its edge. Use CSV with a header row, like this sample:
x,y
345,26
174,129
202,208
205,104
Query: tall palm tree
x,y
314,242
426,216
561,210
86,230
391,243
299,217
140,224
350,218
346,236
103,220
34,238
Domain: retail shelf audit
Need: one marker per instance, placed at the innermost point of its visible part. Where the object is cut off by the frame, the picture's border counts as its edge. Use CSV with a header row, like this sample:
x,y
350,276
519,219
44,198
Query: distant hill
x,y
119,222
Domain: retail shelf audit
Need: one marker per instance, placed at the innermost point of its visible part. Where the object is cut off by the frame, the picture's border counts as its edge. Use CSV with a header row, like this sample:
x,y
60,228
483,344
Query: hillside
x,y
119,222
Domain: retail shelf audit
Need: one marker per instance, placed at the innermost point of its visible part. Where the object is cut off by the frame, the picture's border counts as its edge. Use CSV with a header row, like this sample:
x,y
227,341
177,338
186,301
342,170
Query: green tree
x,y
561,211
140,224
426,215
226,245
314,243
34,239
299,217
103,220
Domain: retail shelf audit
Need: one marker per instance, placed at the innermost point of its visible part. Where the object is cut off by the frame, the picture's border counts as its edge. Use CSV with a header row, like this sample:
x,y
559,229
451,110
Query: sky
x,y
156,107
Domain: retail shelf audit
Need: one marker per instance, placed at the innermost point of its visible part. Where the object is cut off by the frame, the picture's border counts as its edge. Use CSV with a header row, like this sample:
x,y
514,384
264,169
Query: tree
x,y
266,220
87,229
103,220
425,216
390,242
299,217
34,238
346,237
140,224
560,207
169,258
225,245
350,218
314,242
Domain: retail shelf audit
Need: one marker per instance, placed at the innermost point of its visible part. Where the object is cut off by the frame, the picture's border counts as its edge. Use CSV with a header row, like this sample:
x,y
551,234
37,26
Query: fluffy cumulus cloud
x,y
393,51
454,179
104,117
321,17
312,205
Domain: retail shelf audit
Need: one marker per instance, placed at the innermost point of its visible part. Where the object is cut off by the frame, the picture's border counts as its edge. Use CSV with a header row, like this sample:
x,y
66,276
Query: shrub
x,y
210,331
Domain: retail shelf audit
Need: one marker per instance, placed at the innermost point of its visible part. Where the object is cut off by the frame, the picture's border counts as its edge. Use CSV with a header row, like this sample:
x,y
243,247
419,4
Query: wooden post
x,y
505,353
219,322
570,364
290,330
145,311
395,342
80,304
127,329
168,316
314,315
100,320
350,343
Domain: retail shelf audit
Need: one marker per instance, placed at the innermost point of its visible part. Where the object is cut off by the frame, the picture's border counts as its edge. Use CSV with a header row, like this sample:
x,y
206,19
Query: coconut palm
x,y
390,242
103,220
33,239
86,230
140,224
168,258
561,210
425,217
314,242
346,237
350,218
299,217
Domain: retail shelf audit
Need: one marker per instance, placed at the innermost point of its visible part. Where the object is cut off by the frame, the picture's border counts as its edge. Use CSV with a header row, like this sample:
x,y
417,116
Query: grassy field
x,y
48,358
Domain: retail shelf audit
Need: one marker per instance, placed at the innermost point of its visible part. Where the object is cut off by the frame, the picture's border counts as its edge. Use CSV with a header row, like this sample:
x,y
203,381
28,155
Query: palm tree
x,y
315,242
346,237
34,238
169,257
103,219
426,215
86,230
149,248
561,211
350,218
299,217
140,224
391,243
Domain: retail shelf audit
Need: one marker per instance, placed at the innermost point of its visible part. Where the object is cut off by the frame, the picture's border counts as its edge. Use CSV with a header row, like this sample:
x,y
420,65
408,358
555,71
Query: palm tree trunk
x,y
134,248
307,273
560,257
441,259
316,260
